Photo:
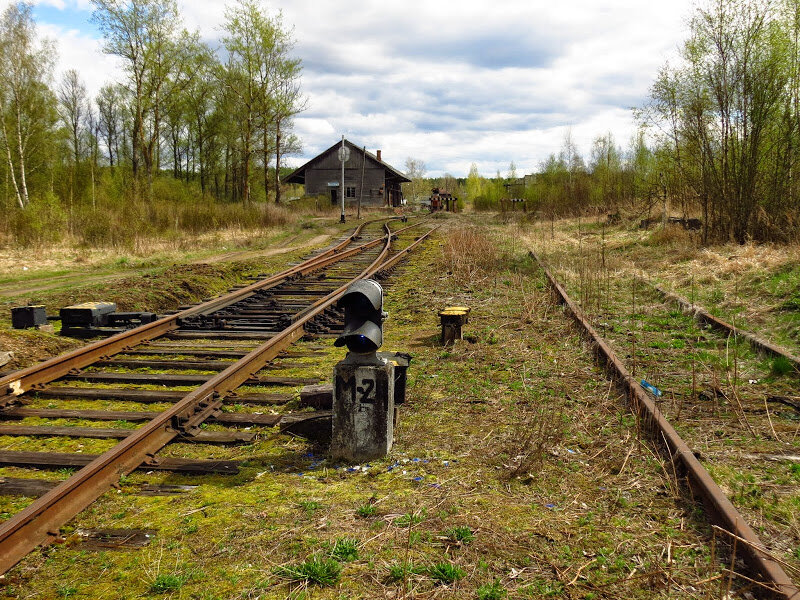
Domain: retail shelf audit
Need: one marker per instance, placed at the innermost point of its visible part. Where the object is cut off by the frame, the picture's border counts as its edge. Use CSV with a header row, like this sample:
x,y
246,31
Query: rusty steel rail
x,y
703,316
19,382
716,502
40,521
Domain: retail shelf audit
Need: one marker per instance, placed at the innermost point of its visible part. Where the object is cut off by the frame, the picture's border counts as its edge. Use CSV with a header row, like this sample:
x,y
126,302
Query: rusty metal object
x,y
703,316
39,522
716,502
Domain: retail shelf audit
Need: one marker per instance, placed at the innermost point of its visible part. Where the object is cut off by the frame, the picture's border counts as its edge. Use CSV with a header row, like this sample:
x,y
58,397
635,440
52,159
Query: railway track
x,y
684,381
180,373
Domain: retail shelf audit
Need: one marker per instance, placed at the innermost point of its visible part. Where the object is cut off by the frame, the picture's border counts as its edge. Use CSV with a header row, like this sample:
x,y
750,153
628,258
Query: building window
x,y
350,192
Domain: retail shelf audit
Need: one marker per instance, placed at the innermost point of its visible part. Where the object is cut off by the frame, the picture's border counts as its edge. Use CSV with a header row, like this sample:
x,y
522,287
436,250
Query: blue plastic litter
x,y
652,389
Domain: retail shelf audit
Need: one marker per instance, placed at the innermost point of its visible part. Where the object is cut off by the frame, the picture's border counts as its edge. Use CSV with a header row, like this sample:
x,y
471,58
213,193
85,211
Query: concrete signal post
x,y
363,390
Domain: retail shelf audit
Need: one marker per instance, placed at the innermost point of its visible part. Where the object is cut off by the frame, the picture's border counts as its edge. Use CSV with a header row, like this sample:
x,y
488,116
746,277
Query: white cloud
x,y
83,53
451,84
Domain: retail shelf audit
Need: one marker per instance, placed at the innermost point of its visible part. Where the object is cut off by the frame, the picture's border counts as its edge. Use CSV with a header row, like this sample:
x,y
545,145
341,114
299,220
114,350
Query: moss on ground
x,y
511,433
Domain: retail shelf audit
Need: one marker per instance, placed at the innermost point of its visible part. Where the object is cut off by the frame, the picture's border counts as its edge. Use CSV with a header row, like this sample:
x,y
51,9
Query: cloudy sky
x,y
449,83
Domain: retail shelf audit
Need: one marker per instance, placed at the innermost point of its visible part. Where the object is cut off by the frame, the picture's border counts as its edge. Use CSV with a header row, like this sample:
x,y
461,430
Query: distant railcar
x,y
442,200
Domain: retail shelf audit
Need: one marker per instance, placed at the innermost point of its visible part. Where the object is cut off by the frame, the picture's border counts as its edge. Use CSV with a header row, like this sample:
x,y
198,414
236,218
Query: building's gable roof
x,y
299,174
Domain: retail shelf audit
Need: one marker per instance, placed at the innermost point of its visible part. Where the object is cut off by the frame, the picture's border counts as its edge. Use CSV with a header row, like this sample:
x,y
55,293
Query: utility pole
x,y
361,189
344,154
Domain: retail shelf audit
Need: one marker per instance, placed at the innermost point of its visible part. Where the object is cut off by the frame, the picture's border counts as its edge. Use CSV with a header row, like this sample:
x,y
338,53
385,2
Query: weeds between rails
x,y
83,441
715,389
579,515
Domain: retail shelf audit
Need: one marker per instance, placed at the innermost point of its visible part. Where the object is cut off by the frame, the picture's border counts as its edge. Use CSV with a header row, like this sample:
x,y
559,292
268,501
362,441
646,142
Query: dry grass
x,y
511,434
714,389
470,256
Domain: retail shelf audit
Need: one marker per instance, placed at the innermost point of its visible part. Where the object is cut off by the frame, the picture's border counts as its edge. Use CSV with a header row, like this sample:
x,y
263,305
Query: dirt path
x,y
16,290
248,254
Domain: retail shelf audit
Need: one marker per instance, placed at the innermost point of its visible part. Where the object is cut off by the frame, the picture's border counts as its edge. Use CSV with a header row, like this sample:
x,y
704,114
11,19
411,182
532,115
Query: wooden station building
x,y
322,176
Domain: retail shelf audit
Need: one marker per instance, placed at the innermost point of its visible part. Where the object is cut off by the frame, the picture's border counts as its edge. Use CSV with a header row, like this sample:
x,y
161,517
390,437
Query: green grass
x,y
409,519
445,573
165,583
345,549
367,510
781,366
461,534
309,505
400,571
315,570
460,431
491,591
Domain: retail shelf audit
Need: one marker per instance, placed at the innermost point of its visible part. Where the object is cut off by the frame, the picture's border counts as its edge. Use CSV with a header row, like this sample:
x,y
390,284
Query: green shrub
x,y
44,220
485,203
112,216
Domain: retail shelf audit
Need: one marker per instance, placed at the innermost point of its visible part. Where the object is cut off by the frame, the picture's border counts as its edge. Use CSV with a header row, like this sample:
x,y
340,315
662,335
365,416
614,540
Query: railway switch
x,y
87,314
25,317
91,319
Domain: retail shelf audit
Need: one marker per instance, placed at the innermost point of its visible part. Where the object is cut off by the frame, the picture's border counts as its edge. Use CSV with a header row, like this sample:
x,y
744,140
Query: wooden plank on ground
x,y
245,419
220,335
149,396
60,460
170,379
32,488
106,433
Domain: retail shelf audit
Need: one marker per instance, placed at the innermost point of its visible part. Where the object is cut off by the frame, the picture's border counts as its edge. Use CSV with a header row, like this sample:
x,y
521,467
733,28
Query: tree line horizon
x,y
719,134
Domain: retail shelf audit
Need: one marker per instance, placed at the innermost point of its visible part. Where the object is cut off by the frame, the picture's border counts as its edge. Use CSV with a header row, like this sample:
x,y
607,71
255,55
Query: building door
x,y
333,196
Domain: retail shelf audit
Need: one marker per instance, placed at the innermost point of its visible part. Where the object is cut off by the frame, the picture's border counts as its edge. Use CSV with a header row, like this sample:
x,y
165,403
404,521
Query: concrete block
x,y
363,411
